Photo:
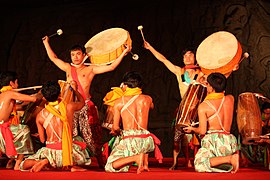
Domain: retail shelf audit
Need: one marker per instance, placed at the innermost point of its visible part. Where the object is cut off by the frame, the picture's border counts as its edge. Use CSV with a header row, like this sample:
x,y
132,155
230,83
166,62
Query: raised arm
x,y
113,65
53,57
173,68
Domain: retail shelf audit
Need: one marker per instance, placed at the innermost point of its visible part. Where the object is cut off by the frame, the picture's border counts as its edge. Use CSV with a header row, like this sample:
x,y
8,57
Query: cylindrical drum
x,y
108,45
108,121
33,108
188,108
249,118
219,52
66,91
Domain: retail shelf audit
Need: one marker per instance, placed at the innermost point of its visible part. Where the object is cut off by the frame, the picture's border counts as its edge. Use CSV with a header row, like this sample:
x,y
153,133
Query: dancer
x,y
54,124
136,141
219,150
185,76
15,140
86,122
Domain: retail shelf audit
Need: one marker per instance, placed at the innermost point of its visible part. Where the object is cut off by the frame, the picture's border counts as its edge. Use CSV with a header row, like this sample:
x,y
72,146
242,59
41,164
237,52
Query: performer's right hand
x,y
45,38
74,85
146,45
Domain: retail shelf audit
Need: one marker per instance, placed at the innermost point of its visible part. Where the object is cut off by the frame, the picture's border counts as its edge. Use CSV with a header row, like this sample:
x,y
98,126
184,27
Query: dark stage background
x,y
169,26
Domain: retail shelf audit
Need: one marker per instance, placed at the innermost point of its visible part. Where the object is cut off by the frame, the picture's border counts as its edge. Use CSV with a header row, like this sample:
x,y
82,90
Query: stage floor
x,y
157,172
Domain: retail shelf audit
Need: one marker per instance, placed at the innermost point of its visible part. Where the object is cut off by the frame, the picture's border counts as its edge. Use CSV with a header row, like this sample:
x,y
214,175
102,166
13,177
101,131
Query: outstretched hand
x,y
188,129
45,38
128,49
146,45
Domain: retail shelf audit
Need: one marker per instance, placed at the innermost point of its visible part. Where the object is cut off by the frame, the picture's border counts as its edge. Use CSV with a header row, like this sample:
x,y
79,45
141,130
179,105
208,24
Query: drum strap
x,y
48,122
126,108
217,112
75,78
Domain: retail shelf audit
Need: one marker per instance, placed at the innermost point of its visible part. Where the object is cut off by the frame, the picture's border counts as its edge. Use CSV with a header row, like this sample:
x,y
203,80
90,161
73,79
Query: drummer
x,y
219,148
186,75
9,131
86,120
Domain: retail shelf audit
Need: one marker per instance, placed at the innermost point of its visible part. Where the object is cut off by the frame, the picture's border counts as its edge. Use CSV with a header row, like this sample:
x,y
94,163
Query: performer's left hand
x,y
188,129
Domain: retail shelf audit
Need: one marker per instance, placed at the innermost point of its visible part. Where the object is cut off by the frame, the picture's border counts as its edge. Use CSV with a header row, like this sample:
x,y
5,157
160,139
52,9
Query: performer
x,y
56,120
218,152
185,76
136,141
15,140
86,120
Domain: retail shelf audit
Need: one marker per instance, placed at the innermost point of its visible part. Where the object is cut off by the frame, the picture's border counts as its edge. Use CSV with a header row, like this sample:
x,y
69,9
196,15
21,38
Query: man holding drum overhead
x,y
184,77
86,120
218,152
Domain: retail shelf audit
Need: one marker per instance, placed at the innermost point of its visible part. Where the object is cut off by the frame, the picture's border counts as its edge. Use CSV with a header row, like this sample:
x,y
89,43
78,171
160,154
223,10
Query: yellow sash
x,y
117,92
66,134
5,88
214,96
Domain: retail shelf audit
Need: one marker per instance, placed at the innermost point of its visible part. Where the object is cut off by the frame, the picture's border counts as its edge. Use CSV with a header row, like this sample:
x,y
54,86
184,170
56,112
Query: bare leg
x,y
145,163
29,163
100,161
38,166
10,163
185,147
231,159
119,163
139,161
235,163
18,161
176,151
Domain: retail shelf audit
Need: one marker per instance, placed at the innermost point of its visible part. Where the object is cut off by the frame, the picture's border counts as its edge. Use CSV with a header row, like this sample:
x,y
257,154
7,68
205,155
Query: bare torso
x,y
54,127
225,114
85,75
6,105
140,110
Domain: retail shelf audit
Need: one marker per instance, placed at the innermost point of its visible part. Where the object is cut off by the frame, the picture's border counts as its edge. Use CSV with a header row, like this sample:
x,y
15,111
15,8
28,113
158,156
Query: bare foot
x,y
145,168
235,163
17,165
18,161
77,169
10,164
139,162
173,167
37,167
145,163
189,165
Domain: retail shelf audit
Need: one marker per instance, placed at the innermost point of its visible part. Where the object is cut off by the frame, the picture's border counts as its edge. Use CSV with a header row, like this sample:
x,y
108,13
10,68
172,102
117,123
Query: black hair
x,y
133,79
192,49
218,81
51,90
77,47
6,77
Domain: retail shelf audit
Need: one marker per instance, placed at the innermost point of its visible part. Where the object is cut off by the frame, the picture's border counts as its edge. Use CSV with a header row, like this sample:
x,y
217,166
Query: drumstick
x,y
261,96
27,88
245,56
140,29
58,32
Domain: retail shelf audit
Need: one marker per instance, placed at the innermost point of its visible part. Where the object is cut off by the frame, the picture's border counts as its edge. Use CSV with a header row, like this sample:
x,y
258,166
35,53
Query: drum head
x,y
106,43
219,52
